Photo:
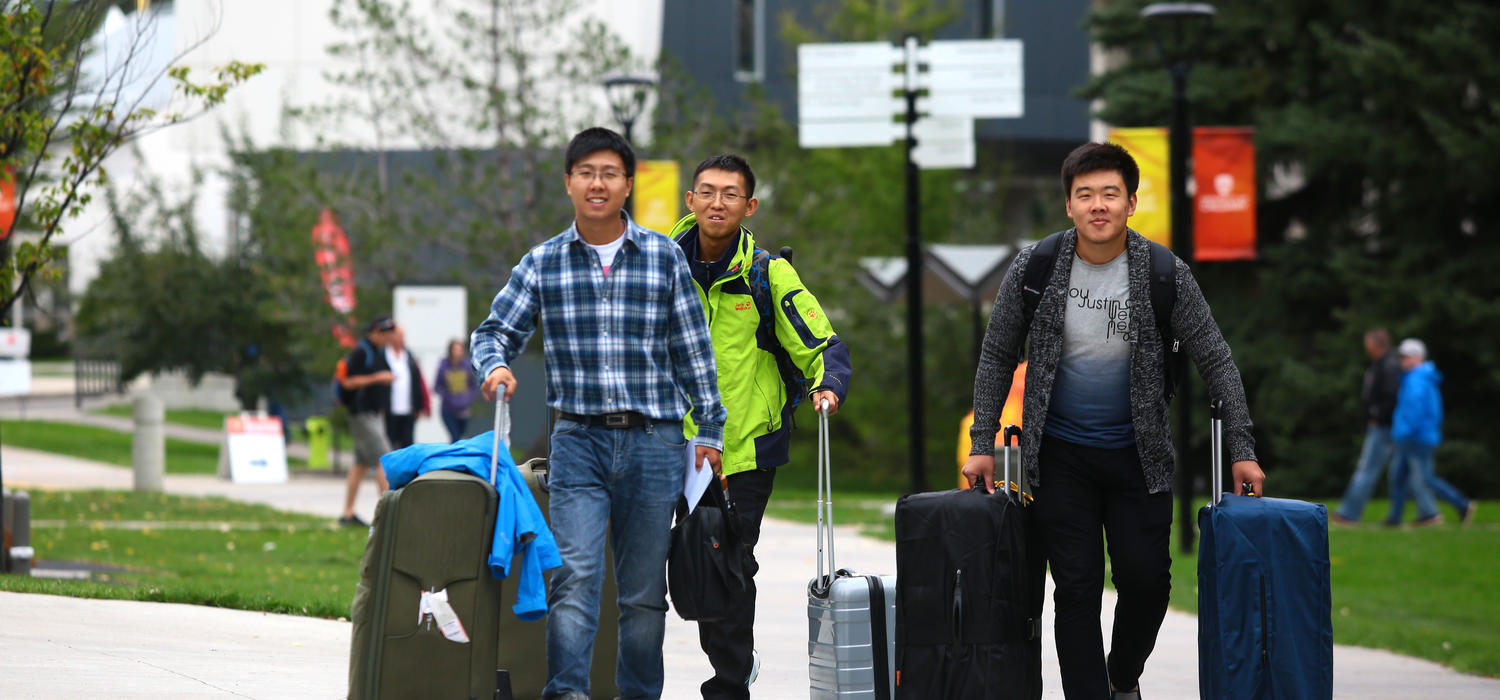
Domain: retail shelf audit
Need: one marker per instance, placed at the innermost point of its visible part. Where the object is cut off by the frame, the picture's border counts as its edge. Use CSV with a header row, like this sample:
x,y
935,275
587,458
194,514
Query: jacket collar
x,y
685,232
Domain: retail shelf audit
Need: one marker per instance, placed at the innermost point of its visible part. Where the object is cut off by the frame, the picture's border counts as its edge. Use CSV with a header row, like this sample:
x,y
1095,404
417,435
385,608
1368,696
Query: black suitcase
x,y
969,586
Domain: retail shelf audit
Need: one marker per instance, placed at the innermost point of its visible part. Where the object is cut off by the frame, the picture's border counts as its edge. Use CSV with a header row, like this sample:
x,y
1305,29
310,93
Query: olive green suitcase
x,y
523,645
431,535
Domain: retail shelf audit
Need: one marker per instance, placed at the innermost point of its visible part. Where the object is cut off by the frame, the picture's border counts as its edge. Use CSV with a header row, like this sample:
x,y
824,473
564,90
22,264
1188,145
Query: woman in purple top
x,y
456,384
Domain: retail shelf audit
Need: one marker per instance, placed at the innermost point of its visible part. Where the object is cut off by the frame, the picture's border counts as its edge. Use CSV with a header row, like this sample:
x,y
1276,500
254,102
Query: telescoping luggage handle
x,y
1216,444
502,427
1018,483
821,585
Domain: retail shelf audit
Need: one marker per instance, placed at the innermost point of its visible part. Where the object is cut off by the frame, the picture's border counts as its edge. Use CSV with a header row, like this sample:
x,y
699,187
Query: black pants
x,y
400,430
729,642
1084,491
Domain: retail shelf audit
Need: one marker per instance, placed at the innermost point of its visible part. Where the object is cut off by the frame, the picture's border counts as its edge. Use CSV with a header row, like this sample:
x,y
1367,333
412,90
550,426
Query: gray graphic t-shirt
x,y
1091,399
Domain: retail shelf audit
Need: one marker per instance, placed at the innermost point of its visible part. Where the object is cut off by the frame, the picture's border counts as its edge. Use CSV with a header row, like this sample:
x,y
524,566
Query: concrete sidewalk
x,y
64,647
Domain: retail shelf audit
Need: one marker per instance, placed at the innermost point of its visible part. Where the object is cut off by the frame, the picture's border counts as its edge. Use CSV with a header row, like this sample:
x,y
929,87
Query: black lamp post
x,y
1176,26
627,97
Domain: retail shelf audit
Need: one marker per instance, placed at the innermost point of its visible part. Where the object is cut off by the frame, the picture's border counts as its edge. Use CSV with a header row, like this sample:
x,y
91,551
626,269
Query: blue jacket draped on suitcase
x,y
518,521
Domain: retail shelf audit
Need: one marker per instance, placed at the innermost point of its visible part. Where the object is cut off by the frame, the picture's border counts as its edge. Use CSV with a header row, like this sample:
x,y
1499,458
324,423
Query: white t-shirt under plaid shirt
x,y
634,340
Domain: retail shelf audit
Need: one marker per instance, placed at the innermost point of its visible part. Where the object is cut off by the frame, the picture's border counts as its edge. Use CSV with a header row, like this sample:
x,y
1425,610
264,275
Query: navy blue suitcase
x,y
1264,613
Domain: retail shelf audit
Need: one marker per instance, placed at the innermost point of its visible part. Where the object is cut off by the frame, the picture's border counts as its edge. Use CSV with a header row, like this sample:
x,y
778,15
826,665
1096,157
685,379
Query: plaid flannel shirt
x,y
636,340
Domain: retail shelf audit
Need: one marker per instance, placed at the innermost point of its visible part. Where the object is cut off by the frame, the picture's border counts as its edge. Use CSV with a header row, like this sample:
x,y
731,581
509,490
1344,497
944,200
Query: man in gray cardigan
x,y
1096,445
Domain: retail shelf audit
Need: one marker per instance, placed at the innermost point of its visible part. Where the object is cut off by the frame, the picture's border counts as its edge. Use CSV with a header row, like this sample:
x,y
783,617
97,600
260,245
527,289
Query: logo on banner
x,y
1223,198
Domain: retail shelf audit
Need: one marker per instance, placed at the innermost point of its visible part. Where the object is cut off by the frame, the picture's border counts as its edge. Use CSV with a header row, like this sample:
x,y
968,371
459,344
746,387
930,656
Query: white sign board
x,y
864,132
980,78
844,93
944,142
257,450
15,377
15,342
430,317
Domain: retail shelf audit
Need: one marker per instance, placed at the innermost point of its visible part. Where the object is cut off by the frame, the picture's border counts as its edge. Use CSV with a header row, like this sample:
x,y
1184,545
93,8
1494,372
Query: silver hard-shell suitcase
x,y
851,617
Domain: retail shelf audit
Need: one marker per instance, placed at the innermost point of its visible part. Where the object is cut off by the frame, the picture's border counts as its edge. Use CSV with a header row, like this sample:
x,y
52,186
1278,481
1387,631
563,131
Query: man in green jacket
x,y
747,340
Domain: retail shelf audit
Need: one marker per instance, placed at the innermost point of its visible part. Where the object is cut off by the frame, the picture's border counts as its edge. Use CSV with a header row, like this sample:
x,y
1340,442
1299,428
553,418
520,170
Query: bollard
x,y
148,450
21,553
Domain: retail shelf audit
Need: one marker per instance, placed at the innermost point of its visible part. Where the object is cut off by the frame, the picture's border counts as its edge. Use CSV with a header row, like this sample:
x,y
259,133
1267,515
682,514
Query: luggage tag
x,y
435,604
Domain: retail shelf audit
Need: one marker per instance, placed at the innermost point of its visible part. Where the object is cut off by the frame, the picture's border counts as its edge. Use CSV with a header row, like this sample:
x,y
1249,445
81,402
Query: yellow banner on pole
x,y
657,197
1153,198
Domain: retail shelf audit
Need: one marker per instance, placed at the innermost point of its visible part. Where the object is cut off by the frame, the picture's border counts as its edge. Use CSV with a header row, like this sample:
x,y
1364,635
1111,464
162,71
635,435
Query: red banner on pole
x,y
331,252
1224,201
7,202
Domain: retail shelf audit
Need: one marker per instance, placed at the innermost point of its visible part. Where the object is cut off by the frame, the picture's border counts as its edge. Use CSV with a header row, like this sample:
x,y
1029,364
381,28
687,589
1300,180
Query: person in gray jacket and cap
x,y
1096,446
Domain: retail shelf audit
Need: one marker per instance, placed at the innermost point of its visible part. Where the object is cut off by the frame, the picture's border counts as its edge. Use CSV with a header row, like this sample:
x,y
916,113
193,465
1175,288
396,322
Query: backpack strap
x,y
765,332
1038,272
1163,301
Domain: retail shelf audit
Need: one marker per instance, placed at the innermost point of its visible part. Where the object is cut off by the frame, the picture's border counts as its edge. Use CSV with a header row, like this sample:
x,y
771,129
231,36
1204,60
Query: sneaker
x,y
1128,694
1425,522
1469,512
754,667
352,521
1337,519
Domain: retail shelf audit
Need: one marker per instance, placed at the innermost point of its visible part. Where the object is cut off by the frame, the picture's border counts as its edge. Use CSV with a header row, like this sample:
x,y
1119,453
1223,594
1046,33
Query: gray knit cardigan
x,y
1192,322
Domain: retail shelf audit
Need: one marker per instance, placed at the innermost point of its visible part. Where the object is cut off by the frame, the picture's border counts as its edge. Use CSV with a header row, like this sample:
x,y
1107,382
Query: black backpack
x,y
765,333
345,397
1163,299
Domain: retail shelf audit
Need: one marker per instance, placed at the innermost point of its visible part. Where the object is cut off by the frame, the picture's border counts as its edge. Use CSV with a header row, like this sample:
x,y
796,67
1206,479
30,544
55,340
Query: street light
x,y
1177,26
627,97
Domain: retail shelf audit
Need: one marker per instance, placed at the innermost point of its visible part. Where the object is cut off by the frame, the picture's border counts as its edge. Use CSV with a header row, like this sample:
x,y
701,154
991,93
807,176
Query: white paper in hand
x,y
695,481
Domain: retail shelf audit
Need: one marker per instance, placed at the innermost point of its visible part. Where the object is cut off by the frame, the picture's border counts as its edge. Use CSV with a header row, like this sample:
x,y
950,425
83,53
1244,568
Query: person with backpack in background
x,y
1382,380
773,347
457,386
1096,444
1417,429
365,389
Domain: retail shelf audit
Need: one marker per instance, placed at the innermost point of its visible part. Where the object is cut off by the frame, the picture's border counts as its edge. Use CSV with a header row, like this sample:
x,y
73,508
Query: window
x,y
749,28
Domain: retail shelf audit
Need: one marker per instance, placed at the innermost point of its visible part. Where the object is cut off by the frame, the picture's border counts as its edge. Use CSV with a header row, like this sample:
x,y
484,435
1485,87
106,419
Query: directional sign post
x,y
848,95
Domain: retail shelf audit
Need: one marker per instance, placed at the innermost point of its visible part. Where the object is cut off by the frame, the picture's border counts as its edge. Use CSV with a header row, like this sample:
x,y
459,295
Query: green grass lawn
x,y
110,446
1427,593
196,418
236,555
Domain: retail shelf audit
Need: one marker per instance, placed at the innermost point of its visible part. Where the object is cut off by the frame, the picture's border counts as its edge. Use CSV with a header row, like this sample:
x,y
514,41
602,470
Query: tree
x,y
164,304
58,124
487,91
1375,125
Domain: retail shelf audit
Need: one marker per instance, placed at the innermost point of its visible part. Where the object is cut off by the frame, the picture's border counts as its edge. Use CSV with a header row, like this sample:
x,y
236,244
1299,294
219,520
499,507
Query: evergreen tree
x,y
1375,123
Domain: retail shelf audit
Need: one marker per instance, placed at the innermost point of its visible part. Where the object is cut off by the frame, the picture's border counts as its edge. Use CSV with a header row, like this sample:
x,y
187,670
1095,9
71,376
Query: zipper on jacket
x,y
958,606
1265,652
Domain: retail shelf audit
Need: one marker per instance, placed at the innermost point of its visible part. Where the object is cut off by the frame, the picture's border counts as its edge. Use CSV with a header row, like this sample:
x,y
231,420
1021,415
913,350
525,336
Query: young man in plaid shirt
x,y
628,354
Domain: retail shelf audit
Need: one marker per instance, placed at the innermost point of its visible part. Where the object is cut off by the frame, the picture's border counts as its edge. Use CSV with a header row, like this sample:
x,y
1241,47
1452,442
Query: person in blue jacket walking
x,y
1417,429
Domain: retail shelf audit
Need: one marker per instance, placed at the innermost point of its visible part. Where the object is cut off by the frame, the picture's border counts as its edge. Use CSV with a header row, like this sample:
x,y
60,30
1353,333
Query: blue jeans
x,y
623,482
1372,459
1412,470
1423,470
455,424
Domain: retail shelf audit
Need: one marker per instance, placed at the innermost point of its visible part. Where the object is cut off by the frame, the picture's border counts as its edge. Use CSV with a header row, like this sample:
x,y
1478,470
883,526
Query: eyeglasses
x,y
730,198
609,175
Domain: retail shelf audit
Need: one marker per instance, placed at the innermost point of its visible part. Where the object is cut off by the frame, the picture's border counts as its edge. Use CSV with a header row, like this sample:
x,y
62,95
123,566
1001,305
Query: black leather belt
x,y
626,419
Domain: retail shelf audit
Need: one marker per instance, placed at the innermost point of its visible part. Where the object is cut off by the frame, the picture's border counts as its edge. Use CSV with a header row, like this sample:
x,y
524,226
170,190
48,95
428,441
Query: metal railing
x,y
94,377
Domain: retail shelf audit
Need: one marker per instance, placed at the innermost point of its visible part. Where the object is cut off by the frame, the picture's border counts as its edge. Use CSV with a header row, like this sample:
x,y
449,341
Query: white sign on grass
x,y
257,450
